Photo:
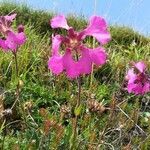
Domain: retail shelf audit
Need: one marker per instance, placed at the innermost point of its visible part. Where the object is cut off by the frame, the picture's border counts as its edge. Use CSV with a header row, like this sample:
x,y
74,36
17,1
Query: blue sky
x,y
133,13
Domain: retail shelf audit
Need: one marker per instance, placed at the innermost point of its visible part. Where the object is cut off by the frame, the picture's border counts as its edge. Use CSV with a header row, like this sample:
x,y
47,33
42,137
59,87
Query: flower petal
x,y
59,22
146,87
56,41
135,88
138,89
70,65
3,45
130,87
10,41
20,38
97,28
131,76
15,39
140,66
85,62
10,17
98,56
55,64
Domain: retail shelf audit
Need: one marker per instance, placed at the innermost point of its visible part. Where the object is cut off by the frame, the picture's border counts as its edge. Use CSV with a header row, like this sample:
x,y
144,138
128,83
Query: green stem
x,y
16,78
79,91
18,90
91,75
16,65
75,124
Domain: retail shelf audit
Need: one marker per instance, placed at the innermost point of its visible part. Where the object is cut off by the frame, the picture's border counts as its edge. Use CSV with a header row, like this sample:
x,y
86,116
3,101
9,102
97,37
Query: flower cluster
x,y
11,40
77,58
138,79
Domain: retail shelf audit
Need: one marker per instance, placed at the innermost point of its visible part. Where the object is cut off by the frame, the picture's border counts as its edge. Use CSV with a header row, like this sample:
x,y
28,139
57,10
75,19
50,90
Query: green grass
x,y
43,95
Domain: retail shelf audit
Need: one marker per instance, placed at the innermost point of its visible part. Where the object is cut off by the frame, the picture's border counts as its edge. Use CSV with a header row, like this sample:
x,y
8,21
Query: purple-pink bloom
x,y
11,40
6,22
138,79
77,58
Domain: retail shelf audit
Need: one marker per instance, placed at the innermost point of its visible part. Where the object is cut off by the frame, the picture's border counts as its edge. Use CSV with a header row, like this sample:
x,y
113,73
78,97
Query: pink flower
x,y
138,80
6,22
11,40
77,59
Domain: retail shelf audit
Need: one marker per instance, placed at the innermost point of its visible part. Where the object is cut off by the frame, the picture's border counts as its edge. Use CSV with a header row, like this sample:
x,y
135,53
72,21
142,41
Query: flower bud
x,y
20,28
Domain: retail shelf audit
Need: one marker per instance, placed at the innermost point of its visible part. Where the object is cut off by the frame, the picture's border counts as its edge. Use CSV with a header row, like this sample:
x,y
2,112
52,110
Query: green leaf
x,y
78,110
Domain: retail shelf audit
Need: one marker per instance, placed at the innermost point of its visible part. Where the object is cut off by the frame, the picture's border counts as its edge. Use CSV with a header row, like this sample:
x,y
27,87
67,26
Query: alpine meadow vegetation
x,y
71,83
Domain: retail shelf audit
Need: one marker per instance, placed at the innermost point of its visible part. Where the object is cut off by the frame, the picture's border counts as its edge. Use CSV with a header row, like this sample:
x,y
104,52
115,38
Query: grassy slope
x,y
43,90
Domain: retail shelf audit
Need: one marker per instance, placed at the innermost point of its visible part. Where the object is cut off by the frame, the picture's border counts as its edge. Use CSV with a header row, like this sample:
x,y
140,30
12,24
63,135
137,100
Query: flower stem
x,y
91,77
16,78
18,89
16,64
79,91
75,123
92,72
